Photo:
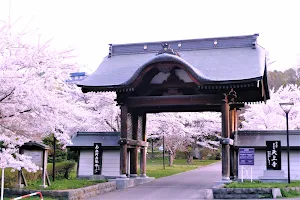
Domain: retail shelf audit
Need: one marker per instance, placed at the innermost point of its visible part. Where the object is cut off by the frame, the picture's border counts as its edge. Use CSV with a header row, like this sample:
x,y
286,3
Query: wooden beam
x,y
176,100
191,108
130,142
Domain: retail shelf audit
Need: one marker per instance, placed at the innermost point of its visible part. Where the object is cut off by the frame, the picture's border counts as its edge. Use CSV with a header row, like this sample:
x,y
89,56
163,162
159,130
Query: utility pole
x,y
54,157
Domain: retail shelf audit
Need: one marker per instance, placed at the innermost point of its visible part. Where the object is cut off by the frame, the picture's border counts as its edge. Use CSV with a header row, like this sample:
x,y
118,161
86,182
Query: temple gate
x,y
212,74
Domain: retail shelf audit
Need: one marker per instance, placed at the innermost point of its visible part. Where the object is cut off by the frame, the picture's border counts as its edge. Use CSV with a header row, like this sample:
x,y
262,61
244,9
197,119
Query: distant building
x,y
77,76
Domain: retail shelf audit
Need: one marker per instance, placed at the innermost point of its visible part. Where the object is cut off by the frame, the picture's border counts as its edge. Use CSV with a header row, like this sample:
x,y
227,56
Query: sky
x,y
89,26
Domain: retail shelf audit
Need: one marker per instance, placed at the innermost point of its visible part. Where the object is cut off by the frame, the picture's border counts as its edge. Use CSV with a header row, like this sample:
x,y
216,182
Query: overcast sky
x,y
90,25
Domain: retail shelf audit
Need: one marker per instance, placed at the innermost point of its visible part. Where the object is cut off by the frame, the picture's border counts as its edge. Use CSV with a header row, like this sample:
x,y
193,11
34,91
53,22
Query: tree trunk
x,y
171,158
189,157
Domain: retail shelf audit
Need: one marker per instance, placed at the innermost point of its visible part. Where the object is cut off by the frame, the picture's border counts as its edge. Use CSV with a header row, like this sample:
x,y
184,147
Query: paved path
x,y
184,186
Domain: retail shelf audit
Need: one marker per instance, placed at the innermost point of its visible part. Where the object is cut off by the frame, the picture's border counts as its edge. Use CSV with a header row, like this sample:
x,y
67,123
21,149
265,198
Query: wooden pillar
x,y
123,145
235,154
134,151
232,132
143,149
225,135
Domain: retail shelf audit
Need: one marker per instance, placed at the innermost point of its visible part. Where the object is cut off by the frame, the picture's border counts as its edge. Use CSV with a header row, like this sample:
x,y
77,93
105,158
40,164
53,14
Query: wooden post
x,y
134,151
54,158
232,132
44,170
123,146
225,135
21,177
152,148
144,149
235,153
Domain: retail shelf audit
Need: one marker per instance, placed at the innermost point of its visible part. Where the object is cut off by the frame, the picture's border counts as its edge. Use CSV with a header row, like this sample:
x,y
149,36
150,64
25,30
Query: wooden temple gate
x,y
214,74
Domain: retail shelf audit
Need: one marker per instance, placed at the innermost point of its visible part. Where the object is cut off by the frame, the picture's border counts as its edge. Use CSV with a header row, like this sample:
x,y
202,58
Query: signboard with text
x,y
36,156
246,156
273,154
97,158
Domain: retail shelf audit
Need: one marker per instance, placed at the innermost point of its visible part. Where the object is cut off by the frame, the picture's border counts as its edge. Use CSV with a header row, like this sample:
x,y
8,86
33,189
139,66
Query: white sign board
x,y
36,156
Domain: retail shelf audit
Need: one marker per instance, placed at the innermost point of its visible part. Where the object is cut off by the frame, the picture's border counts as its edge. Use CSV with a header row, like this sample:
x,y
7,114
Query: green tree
x,y
276,79
61,154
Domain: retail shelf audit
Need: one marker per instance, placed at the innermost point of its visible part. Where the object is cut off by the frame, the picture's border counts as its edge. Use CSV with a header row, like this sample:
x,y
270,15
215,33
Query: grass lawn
x,y
59,185
62,184
257,184
155,166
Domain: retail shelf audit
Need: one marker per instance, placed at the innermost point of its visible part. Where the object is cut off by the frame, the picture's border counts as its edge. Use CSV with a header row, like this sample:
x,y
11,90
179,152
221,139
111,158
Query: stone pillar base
x,y
43,186
133,175
225,178
143,176
123,176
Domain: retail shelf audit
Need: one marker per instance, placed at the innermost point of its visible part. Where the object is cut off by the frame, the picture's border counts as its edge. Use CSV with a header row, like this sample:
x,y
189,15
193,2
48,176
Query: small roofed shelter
x,y
39,156
107,160
211,74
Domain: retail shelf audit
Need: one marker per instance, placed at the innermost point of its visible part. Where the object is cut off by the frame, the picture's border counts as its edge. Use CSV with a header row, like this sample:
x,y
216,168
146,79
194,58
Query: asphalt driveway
x,y
188,185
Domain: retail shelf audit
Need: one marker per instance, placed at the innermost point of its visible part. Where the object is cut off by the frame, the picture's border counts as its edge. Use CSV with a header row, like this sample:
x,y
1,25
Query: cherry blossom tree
x,y
35,99
183,131
269,115
103,113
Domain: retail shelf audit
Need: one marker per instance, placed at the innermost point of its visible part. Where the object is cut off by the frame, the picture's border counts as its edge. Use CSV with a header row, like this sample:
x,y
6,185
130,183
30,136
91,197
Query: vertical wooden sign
x,y
97,159
273,155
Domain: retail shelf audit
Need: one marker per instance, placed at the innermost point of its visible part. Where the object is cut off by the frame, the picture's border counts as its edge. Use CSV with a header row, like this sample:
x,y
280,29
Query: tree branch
x,y
110,125
25,111
7,95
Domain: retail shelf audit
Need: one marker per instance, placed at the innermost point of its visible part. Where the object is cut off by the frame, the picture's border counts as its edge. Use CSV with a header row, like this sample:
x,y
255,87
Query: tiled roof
x,y
212,59
34,144
87,139
259,138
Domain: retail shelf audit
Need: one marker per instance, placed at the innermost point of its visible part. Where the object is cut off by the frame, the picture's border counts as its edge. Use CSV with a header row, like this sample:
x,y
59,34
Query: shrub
x,y
10,177
73,155
62,169
210,154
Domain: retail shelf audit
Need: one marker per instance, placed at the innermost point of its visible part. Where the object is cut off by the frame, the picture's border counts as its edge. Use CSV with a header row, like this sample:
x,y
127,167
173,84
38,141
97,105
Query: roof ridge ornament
x,y
254,40
166,48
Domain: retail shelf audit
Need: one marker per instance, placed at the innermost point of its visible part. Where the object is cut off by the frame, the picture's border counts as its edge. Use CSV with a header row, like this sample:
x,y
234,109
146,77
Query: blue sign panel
x,y
246,156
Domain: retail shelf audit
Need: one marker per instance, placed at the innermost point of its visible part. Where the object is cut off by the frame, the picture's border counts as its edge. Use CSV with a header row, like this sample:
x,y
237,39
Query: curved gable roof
x,y
213,59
